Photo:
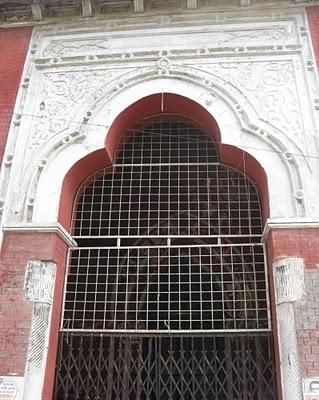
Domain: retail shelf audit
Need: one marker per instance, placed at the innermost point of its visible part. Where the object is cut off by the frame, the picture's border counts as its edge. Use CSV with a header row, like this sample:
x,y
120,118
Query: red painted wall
x,y
313,21
14,44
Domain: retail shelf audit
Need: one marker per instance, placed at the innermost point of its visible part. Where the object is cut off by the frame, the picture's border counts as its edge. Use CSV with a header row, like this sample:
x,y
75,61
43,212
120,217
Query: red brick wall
x,y
307,312
302,243
313,20
307,321
14,43
15,311
294,243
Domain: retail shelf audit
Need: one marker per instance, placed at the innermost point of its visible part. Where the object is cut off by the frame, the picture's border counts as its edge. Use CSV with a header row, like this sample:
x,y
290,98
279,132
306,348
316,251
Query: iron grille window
x,y
168,181
170,246
167,288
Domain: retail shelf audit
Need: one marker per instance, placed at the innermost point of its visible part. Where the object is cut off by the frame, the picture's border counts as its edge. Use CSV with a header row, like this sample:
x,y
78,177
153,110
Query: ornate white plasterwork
x,y
270,87
63,93
58,48
217,88
162,68
224,35
244,68
63,89
226,116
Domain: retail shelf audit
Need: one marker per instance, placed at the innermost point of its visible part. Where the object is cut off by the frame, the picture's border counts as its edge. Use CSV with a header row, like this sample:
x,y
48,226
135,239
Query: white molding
x,y
121,58
288,224
43,228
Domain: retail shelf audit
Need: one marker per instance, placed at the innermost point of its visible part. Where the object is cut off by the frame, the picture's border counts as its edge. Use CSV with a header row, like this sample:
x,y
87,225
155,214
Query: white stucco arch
x,y
236,121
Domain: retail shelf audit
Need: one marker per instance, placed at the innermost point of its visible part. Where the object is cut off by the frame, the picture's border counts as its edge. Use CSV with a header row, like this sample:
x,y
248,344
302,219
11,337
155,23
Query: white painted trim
x,y
289,279
39,288
288,224
43,228
289,288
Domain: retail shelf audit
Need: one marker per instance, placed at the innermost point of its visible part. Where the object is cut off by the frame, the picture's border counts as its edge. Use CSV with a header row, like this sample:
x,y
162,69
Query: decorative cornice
x,y
42,228
40,12
151,55
303,223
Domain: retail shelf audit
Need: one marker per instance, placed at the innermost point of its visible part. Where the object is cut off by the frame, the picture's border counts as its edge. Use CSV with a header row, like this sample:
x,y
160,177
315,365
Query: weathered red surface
x,y
303,243
14,44
295,243
313,21
15,311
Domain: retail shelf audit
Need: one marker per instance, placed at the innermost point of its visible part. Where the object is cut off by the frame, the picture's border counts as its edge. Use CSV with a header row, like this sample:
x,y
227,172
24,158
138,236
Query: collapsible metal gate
x,y
166,296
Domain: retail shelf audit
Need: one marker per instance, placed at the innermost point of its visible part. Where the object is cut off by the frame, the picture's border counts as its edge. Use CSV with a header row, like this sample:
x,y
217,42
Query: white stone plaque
x,y
11,387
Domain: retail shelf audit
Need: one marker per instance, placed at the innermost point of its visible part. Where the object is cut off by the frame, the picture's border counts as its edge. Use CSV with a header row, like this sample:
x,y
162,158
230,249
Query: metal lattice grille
x,y
167,288
169,260
172,197
161,368
166,142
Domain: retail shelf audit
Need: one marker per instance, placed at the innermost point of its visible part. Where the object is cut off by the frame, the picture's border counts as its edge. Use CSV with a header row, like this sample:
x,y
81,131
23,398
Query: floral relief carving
x,y
261,35
271,89
62,96
268,86
62,47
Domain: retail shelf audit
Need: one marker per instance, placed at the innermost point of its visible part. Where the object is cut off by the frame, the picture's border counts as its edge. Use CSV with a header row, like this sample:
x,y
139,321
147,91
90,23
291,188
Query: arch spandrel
x,y
280,178
235,118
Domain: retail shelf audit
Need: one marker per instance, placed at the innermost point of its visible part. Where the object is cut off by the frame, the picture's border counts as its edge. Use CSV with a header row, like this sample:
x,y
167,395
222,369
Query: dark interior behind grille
x,y
166,295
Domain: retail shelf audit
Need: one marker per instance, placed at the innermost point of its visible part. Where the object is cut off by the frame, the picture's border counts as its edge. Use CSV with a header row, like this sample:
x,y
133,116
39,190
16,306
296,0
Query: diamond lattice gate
x,y
166,296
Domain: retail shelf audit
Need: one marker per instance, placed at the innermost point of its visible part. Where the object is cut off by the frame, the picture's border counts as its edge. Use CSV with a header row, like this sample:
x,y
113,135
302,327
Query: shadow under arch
x,y
170,106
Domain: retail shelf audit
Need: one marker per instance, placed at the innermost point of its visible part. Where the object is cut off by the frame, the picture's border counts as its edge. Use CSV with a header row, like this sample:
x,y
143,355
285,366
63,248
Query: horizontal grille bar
x,y
155,333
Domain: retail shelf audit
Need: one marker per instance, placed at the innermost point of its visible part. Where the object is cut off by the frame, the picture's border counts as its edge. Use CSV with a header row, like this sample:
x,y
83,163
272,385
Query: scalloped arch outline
x,y
93,109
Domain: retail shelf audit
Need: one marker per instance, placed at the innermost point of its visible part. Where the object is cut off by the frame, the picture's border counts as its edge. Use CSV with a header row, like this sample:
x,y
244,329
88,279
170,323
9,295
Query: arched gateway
x,y
166,295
